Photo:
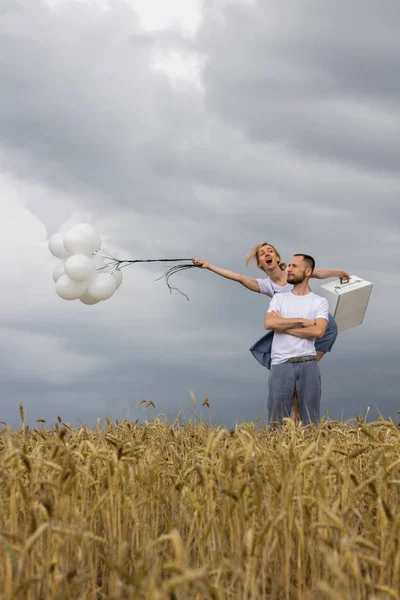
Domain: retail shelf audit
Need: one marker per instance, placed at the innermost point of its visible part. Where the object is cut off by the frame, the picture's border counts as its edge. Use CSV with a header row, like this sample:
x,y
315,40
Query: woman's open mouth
x,y
268,261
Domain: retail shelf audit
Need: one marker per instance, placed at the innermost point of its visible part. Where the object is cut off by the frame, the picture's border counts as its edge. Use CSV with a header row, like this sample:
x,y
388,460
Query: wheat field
x,y
177,511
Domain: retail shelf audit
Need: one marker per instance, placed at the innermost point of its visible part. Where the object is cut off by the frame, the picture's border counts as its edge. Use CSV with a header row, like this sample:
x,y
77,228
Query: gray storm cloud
x,y
291,138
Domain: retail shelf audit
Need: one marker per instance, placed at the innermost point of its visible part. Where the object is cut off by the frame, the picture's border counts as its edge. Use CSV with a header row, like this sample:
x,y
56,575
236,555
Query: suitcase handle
x,y
337,287
343,280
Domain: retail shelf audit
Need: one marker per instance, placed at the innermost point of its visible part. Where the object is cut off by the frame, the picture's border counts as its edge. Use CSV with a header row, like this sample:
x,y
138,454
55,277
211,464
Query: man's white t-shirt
x,y
311,306
269,288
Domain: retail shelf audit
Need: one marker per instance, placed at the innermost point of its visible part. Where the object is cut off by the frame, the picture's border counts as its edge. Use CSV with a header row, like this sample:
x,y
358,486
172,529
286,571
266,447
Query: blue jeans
x,y
261,350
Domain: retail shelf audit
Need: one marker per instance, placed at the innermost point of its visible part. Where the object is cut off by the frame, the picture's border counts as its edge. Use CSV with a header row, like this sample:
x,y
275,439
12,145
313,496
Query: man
x,y
297,318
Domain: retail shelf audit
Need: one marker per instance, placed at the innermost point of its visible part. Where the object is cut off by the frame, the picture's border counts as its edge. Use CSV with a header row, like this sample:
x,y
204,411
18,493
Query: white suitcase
x,y
348,301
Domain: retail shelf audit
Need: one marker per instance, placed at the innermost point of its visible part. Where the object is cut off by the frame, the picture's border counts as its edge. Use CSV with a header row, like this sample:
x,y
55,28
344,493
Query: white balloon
x,y
59,271
56,246
68,289
80,268
117,274
86,298
78,242
92,233
103,286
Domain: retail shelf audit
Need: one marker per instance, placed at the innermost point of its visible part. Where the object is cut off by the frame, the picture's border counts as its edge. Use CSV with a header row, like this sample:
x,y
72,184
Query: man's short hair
x,y
310,262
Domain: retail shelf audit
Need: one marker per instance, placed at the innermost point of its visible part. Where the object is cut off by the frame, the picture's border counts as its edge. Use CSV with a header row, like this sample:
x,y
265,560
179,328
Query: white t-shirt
x,y
269,288
311,306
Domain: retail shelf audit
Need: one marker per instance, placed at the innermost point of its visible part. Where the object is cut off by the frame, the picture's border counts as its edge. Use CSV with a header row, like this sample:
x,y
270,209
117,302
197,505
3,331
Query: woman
x,y
269,261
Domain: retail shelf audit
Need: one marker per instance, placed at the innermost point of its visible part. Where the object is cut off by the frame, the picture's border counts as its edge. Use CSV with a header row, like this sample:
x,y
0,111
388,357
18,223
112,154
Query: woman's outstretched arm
x,y
247,282
327,273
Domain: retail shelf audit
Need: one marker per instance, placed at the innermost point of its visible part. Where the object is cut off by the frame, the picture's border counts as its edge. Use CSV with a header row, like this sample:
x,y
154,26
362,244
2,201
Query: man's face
x,y
297,271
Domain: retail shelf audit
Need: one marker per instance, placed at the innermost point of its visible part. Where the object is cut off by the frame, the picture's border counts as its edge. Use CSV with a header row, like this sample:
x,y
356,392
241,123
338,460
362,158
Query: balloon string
x,y
172,271
121,264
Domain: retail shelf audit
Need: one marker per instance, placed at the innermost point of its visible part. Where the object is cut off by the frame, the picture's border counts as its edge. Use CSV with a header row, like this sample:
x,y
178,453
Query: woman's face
x,y
267,258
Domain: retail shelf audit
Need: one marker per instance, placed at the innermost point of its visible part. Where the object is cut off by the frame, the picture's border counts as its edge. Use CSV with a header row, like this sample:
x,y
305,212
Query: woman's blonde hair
x,y
253,255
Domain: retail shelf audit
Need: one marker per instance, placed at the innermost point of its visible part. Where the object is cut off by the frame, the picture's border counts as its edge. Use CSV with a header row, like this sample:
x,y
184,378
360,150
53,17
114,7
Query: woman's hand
x,y
199,262
344,275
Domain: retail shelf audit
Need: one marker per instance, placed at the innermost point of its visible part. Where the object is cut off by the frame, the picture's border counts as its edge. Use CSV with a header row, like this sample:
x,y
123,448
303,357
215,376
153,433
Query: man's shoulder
x,y
276,300
318,298
315,296
320,304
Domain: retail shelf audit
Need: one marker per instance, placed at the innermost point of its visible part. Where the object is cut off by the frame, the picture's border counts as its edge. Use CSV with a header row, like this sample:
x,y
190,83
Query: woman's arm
x,y
327,273
247,282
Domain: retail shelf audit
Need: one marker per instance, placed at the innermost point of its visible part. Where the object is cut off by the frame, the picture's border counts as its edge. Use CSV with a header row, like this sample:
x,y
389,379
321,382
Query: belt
x,y
297,359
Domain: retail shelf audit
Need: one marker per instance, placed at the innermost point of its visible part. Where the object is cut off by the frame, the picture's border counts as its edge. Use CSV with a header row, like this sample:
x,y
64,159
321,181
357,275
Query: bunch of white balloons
x,y
81,273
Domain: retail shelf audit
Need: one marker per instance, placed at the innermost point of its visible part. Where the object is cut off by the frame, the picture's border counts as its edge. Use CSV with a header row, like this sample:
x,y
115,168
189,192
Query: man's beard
x,y
296,279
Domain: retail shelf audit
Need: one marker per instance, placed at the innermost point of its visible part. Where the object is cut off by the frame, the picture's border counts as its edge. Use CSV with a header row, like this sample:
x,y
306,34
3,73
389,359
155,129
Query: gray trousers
x,y
284,380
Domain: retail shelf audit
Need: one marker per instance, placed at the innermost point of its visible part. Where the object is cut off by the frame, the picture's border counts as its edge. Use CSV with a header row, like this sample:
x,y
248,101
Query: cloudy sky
x,y
194,128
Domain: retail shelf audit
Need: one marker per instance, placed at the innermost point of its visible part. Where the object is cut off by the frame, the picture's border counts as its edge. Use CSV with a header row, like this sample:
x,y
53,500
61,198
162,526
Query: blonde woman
x,y
268,260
